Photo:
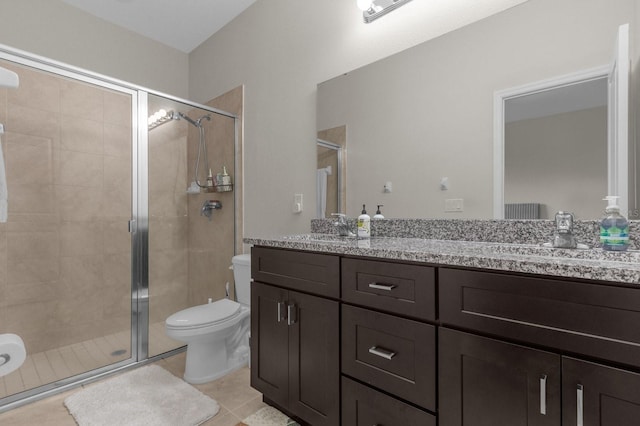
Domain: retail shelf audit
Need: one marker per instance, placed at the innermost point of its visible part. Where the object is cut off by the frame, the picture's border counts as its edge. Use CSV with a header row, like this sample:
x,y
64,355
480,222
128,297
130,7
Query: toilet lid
x,y
208,314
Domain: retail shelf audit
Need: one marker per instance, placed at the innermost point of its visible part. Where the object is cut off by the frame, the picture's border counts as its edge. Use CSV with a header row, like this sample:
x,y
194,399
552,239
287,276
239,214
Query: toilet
x,y
216,334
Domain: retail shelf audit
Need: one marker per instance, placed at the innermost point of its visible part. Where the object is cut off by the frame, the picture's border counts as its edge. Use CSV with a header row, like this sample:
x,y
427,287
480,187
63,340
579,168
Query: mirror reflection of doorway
x,y
328,179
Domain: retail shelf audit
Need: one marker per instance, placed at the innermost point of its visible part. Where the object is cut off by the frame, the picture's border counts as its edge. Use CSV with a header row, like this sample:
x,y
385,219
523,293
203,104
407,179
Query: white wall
x,y
55,30
280,50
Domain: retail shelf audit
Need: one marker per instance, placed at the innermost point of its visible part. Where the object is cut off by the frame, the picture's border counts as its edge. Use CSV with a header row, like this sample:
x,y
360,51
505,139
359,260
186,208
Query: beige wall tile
x,y
26,245
38,89
33,122
81,239
3,262
79,169
78,203
168,233
82,100
32,270
82,135
117,173
117,140
117,270
28,159
30,199
116,236
117,108
25,293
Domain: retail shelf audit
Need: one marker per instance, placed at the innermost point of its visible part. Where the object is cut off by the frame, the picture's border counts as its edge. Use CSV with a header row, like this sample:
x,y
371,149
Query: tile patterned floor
x,y
236,398
56,364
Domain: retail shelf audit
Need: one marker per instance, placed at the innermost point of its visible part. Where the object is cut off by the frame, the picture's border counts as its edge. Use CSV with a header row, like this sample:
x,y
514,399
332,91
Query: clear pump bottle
x,y
364,224
614,228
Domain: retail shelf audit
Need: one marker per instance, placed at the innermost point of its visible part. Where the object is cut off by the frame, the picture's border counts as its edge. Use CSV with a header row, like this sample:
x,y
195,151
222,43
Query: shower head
x,y
195,122
199,120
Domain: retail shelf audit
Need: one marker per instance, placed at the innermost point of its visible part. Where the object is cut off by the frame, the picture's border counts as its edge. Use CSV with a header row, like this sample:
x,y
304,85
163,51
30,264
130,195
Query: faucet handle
x,y
341,217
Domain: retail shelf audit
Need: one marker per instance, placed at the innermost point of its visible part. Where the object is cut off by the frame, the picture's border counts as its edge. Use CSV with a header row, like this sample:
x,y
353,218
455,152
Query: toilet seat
x,y
204,315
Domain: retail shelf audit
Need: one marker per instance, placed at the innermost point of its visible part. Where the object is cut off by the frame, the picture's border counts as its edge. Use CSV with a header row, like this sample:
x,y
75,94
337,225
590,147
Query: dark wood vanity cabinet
x,y
488,381
360,342
295,341
595,395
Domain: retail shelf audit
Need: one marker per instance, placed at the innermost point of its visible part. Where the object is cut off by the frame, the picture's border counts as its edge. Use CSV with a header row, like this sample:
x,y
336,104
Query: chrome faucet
x,y
343,225
208,207
564,238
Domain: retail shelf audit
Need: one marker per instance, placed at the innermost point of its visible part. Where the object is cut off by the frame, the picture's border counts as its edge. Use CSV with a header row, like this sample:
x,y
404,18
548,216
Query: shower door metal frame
x,y
138,223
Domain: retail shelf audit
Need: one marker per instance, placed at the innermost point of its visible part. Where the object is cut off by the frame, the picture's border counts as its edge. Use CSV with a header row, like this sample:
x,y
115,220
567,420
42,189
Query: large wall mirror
x,y
423,119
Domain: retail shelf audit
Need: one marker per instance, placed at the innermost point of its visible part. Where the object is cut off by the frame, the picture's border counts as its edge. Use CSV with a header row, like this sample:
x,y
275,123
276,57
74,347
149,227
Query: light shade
x,y
377,8
364,4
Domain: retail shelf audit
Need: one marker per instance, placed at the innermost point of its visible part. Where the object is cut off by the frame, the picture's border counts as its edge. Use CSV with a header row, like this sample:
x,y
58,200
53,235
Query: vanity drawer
x,y
363,406
593,319
394,354
309,272
394,287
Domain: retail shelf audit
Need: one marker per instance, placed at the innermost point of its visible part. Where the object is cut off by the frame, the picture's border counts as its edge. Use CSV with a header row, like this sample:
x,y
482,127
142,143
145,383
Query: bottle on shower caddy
x,y
364,224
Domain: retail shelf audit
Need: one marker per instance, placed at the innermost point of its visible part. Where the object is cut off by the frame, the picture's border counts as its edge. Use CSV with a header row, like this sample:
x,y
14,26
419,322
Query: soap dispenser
x,y
378,214
364,224
614,228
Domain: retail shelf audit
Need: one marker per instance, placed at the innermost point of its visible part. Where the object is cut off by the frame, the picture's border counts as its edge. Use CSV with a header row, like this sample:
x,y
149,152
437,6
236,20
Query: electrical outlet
x,y
453,205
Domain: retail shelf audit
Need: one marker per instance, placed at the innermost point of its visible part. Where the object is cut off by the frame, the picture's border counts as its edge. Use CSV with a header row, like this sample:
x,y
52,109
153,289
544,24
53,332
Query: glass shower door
x,y
65,250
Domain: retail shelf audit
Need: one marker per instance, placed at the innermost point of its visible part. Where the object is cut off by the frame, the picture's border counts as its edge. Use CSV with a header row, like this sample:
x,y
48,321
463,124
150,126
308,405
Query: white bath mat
x,y
145,396
268,416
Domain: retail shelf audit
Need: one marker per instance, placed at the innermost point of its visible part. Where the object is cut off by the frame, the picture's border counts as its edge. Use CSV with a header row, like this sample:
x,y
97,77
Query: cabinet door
x,y
314,359
269,342
595,395
486,382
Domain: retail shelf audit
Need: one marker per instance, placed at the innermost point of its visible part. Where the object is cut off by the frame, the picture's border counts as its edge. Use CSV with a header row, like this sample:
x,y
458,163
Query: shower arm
x,y
202,145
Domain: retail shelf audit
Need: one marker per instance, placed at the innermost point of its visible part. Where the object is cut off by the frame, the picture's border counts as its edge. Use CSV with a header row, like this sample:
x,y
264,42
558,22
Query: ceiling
x,y
181,24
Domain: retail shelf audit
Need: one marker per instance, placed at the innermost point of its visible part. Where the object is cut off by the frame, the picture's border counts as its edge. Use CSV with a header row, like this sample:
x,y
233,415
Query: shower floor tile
x,y
56,364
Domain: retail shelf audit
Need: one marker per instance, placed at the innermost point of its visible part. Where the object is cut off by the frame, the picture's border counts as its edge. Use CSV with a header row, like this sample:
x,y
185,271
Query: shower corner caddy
x,y
219,188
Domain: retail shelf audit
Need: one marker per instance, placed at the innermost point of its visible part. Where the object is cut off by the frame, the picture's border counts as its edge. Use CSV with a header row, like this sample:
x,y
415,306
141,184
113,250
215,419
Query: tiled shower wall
x,y
189,255
65,250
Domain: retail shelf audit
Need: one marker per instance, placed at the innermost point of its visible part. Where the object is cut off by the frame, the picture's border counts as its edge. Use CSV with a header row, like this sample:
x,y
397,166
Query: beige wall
x,y
55,30
65,263
280,50
540,153
431,111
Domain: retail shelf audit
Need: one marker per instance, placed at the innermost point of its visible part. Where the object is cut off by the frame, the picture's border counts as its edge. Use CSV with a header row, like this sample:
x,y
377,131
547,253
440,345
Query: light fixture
x,y
159,117
373,9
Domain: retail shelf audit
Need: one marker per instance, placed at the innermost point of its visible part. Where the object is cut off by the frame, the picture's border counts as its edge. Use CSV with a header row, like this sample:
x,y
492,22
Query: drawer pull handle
x,y
543,394
383,353
281,312
386,287
580,406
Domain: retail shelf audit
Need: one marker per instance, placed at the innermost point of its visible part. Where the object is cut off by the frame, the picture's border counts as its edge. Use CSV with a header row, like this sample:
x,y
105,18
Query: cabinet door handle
x,y
383,353
543,394
281,312
580,406
292,314
385,287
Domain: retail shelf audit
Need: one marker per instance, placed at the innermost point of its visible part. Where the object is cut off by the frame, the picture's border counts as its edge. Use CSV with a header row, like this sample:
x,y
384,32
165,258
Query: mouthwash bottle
x,y
614,228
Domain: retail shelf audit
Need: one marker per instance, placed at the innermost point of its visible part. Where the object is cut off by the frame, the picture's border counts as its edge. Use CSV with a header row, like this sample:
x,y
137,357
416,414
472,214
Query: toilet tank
x,y
242,276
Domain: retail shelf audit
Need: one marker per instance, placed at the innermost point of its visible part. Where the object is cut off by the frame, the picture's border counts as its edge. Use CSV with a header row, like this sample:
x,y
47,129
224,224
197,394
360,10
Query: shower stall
x,y
108,230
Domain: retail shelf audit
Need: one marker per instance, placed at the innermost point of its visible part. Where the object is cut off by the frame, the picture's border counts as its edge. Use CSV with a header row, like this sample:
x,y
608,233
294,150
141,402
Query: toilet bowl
x,y
216,334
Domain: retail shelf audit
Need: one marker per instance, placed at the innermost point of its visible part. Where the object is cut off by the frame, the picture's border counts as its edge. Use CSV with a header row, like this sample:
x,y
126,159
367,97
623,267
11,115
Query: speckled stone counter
x,y
496,231
533,259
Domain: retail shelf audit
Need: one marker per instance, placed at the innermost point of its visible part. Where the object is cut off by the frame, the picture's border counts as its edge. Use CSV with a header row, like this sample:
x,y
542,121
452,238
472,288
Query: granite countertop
x,y
595,264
